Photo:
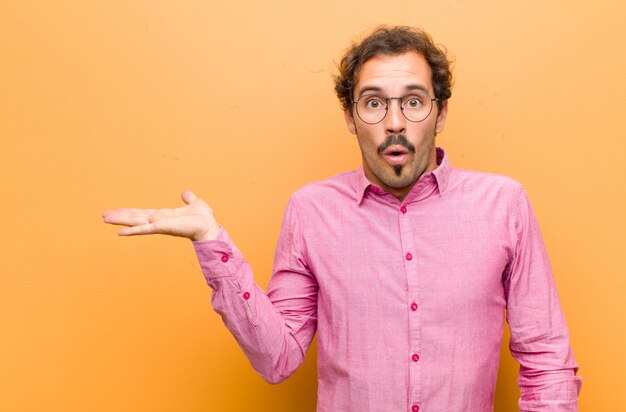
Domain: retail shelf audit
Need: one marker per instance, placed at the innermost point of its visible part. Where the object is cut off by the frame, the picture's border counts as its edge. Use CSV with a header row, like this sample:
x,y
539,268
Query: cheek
x,y
367,146
423,132
367,139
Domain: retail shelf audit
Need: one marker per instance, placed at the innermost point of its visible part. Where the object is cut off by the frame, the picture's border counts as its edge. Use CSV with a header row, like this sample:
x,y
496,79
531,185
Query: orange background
x,y
125,104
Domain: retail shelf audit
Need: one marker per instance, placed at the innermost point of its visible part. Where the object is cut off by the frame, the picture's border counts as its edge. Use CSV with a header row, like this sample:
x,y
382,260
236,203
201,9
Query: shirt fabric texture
x,y
408,298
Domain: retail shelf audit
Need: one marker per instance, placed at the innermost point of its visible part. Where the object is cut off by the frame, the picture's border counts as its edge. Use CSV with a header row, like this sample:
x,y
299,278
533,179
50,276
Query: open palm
x,y
195,220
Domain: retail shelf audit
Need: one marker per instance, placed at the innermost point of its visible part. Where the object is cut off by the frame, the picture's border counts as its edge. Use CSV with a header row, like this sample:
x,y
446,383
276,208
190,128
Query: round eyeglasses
x,y
415,107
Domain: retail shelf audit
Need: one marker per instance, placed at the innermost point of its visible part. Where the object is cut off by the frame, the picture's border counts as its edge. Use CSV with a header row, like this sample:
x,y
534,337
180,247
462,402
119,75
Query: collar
x,y
440,176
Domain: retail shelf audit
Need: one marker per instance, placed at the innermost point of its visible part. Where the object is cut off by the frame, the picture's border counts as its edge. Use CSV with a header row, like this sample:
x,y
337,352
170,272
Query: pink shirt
x,y
408,298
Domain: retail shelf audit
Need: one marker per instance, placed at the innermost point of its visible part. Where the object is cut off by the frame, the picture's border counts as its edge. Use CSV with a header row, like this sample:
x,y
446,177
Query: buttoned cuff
x,y
218,258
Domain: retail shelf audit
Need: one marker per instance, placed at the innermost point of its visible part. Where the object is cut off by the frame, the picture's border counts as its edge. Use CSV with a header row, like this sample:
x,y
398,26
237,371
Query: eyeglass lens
x,y
373,109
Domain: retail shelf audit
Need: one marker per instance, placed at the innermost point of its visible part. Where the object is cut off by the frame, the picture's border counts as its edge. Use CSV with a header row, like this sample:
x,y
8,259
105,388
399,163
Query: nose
x,y
395,121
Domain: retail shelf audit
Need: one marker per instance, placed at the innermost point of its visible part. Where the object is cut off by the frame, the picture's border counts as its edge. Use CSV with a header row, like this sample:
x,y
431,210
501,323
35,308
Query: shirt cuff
x,y
218,258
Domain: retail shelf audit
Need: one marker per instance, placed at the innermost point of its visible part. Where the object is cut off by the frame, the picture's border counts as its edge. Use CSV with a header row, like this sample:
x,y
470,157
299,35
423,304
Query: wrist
x,y
210,234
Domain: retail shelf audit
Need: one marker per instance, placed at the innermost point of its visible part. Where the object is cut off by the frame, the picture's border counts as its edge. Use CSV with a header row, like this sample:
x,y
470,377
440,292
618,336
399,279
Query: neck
x,y
401,192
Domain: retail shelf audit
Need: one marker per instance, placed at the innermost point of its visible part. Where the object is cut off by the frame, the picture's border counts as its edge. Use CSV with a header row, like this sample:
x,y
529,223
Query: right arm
x,y
274,329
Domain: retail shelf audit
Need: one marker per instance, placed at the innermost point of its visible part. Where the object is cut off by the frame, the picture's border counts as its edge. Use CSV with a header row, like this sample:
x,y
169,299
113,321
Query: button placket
x,y
412,273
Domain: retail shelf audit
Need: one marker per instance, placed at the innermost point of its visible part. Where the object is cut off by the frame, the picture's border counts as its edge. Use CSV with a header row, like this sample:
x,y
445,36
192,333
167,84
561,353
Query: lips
x,y
396,154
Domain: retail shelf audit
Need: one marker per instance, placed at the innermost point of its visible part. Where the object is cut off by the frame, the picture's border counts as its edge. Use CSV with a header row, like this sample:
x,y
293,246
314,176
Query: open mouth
x,y
396,155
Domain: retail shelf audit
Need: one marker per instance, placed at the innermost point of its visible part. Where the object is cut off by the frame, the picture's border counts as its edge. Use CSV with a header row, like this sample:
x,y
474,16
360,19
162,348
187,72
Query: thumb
x,y
188,196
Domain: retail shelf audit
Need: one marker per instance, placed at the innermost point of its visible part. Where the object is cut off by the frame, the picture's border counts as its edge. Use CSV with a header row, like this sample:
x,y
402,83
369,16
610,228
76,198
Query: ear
x,y
441,117
349,121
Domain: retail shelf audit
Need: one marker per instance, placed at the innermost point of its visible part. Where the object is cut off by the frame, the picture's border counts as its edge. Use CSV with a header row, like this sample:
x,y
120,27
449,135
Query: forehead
x,y
394,73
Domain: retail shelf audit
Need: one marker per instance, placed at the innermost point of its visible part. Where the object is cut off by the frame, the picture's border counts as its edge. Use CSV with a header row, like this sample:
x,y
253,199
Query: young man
x,y
404,267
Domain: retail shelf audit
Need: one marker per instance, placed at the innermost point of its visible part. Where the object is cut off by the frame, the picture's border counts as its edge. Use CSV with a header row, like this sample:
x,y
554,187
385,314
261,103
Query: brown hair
x,y
390,41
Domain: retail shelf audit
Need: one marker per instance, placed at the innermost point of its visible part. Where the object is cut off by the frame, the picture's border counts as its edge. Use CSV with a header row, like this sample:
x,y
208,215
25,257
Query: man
x,y
404,267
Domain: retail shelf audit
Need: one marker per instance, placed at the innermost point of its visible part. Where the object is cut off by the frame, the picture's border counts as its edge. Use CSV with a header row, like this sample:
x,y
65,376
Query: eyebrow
x,y
409,87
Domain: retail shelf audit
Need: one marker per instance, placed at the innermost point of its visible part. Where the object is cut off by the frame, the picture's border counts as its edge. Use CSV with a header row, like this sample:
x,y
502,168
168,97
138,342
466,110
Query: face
x,y
396,151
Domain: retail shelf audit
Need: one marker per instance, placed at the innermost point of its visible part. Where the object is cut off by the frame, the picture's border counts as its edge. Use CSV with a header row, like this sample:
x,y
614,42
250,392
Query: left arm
x,y
539,336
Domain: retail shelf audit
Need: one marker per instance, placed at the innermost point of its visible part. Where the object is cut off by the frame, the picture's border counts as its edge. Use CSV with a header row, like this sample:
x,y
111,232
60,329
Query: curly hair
x,y
386,40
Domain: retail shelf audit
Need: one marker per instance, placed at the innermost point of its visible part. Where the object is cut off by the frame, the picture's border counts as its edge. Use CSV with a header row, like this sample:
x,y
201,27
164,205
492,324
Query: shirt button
x,y
409,256
224,258
413,306
415,357
246,295
403,209
415,408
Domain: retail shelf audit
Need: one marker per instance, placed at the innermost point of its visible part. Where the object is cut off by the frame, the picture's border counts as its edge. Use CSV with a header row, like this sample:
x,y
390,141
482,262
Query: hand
x,y
195,220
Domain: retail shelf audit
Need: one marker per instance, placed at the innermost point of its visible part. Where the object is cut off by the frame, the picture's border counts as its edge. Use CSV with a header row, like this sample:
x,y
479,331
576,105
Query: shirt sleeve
x,y
274,329
539,335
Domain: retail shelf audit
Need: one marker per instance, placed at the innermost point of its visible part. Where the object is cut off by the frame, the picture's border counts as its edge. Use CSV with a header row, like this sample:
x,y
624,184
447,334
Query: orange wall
x,y
113,104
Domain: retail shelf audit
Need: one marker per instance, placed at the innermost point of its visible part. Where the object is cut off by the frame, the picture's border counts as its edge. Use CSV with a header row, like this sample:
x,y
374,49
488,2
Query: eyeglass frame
x,y
354,102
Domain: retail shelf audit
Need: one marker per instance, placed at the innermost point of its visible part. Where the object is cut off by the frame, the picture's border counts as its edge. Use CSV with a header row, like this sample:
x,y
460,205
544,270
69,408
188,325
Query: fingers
x,y
147,229
127,220
188,196
125,211
121,215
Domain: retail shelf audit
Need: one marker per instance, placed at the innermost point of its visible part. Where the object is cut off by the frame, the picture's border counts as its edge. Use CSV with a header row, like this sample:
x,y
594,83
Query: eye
x,y
412,102
373,103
